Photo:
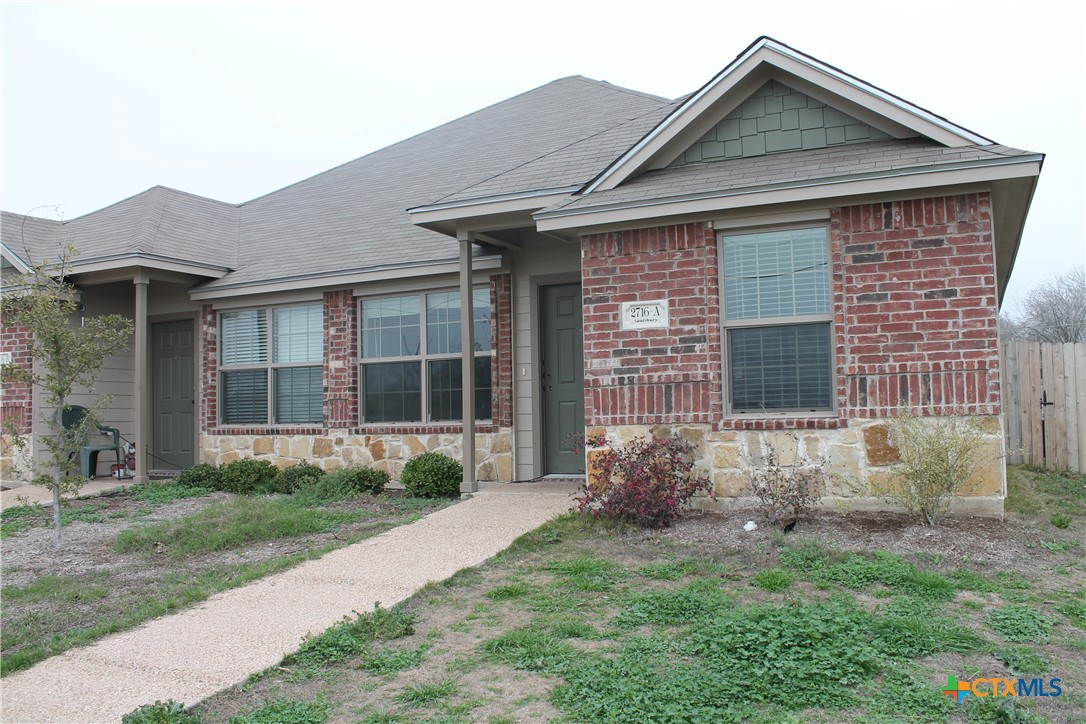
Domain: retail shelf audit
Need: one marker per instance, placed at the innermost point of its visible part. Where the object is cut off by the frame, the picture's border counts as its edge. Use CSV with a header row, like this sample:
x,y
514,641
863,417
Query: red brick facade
x,y
920,308
643,377
341,384
915,318
17,396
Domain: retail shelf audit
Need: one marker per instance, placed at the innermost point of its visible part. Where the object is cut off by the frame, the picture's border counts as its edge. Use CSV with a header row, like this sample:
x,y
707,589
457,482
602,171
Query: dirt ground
x,y
456,619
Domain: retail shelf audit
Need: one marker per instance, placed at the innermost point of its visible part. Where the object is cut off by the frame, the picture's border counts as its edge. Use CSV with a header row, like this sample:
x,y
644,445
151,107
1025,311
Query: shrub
x,y
161,712
646,481
787,491
369,481
200,476
432,475
939,459
290,480
248,475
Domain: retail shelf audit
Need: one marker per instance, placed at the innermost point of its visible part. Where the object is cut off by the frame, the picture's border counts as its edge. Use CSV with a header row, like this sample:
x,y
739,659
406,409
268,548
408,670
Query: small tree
x,y
940,458
1054,311
67,356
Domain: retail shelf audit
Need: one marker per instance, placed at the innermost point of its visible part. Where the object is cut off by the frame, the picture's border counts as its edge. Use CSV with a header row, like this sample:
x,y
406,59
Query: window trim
x,y
828,318
268,366
423,357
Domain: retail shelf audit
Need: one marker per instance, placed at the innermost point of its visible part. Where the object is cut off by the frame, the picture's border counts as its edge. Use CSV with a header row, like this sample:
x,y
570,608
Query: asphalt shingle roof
x,y
839,162
352,216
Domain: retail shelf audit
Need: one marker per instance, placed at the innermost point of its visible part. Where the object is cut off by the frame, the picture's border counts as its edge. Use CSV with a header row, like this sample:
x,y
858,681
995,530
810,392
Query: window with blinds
x,y
778,321
284,387
410,357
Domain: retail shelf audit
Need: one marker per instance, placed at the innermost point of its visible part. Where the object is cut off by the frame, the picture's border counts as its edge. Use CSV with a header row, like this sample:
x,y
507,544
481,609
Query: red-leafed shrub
x,y
646,481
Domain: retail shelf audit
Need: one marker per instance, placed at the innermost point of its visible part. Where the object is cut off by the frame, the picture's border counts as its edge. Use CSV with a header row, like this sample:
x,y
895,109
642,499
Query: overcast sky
x,y
234,99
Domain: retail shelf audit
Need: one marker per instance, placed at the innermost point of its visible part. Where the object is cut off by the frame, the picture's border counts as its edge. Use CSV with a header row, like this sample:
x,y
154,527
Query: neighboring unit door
x,y
563,377
172,404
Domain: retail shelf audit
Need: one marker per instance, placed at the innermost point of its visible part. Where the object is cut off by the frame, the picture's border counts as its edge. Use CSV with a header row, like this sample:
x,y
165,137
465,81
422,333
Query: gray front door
x,y
172,404
563,377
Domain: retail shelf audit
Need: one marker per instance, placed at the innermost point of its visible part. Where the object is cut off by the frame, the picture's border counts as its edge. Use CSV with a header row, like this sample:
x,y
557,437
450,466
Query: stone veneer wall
x,y
340,448
17,406
341,440
915,326
858,457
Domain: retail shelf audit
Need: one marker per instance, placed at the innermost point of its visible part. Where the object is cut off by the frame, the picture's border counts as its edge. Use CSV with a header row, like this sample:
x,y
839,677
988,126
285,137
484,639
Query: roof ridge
x,y
614,86
556,150
411,138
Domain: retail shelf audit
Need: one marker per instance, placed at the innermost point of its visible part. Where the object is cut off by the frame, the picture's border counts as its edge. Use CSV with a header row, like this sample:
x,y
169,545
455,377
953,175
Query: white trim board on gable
x,y
766,60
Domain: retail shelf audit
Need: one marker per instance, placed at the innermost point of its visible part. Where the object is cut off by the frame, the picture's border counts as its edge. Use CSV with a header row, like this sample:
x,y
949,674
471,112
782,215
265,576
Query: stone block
x,y
877,446
730,484
785,444
323,447
377,448
263,445
301,447
282,446
485,471
228,457
723,436
844,460
329,464
726,456
693,435
812,445
502,442
414,445
283,463
503,467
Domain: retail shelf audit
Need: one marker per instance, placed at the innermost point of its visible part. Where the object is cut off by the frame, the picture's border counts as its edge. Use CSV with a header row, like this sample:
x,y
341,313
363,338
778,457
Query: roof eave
x,y
790,192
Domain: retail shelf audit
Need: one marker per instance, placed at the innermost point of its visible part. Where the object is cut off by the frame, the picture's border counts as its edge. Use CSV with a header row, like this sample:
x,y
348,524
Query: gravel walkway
x,y
195,653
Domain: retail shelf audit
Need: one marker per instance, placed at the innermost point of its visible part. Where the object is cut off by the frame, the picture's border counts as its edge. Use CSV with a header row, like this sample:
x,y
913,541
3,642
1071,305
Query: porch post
x,y
467,361
141,366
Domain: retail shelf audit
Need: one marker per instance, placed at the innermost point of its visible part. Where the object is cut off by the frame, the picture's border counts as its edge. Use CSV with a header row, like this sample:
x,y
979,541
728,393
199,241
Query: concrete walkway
x,y
193,654
25,493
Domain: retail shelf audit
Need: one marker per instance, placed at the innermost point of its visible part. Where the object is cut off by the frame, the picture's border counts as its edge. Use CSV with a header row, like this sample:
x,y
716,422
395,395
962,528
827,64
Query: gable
x,y
774,119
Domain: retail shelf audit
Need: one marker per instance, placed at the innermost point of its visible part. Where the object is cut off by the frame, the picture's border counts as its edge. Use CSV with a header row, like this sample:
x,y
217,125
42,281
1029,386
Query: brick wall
x,y
340,355
17,396
915,318
652,376
341,383
920,312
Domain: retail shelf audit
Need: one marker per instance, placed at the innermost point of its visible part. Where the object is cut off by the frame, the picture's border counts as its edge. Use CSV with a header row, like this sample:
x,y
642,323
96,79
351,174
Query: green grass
x,y
163,493
423,694
531,649
349,639
673,606
287,711
391,661
588,573
772,579
24,517
59,588
232,523
1020,623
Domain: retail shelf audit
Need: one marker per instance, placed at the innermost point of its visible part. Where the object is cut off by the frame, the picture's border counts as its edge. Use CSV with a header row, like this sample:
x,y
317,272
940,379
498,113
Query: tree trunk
x,y
56,513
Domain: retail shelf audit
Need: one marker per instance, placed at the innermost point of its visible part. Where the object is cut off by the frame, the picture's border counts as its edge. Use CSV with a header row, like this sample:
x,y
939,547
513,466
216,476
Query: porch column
x,y
467,360
141,377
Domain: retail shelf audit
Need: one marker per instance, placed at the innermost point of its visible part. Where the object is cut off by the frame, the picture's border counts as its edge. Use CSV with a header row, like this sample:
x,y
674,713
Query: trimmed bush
x,y
432,475
290,480
363,480
200,476
247,476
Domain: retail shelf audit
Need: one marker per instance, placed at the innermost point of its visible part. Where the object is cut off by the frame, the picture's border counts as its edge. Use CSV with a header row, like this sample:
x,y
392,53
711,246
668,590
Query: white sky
x,y
234,99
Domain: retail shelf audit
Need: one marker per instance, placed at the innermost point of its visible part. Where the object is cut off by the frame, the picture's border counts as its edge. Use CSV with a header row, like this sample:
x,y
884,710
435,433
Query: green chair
x,y
75,416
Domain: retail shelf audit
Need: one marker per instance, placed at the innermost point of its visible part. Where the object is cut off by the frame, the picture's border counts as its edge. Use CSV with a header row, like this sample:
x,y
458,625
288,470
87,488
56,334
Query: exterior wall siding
x,y
341,440
915,326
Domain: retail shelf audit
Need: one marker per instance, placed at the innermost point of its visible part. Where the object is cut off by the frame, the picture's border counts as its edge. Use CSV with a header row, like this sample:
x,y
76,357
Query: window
x,y
411,366
283,384
777,321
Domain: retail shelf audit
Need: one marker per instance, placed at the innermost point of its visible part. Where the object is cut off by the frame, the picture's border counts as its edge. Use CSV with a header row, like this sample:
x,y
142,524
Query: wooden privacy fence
x,y
1044,401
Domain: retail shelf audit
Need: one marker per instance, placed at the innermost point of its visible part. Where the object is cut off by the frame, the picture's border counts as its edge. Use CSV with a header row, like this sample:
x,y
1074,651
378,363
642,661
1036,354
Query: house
x,y
784,257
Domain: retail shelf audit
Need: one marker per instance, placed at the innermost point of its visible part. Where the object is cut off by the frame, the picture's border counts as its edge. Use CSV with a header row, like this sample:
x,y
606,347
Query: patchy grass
x,y
590,622
168,564
239,521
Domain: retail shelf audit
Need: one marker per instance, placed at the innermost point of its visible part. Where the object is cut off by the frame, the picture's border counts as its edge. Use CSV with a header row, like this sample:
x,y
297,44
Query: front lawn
x,y
851,618
152,549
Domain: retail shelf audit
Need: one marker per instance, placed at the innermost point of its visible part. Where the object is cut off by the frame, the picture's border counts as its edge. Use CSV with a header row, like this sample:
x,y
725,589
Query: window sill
x,y
784,421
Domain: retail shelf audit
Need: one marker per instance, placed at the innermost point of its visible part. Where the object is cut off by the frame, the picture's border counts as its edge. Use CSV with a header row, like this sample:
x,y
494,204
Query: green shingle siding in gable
x,y
774,119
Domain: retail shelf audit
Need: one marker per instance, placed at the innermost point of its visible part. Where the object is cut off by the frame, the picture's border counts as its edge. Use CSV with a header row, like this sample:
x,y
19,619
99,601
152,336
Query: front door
x,y
563,377
172,404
